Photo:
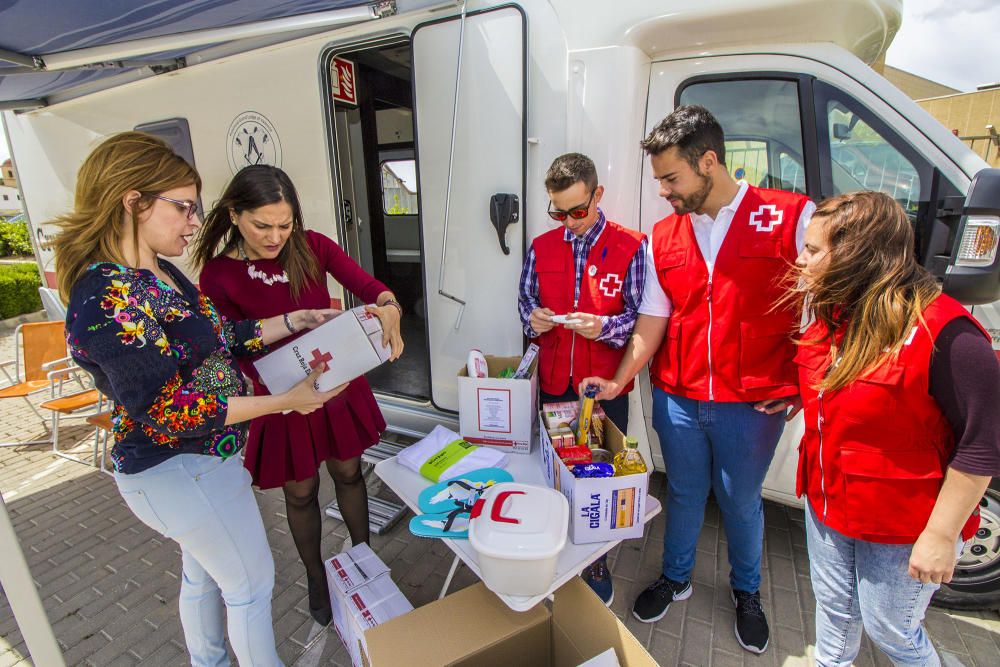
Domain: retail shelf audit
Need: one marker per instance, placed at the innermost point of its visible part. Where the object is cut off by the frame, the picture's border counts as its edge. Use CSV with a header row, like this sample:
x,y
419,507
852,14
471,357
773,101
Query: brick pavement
x,y
110,585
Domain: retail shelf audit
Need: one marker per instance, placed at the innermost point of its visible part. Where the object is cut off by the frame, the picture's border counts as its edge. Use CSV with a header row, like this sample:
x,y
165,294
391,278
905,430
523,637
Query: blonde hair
x,y
872,283
94,229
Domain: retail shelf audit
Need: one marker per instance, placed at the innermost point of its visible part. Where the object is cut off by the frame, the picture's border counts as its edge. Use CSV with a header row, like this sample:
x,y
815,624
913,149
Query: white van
x,y
418,133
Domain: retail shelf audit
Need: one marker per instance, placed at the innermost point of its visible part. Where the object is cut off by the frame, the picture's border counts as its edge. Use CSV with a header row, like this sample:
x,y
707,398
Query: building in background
x,y
974,117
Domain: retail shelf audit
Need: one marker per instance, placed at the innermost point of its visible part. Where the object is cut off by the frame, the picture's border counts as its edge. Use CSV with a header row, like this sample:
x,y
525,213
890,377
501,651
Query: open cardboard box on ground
x,y
498,412
600,509
474,628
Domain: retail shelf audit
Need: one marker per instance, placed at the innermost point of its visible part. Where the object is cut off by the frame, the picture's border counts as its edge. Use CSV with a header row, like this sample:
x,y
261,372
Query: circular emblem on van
x,y
251,140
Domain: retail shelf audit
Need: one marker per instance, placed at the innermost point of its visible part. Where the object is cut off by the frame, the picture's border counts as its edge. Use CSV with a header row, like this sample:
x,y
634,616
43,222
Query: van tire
x,y
976,584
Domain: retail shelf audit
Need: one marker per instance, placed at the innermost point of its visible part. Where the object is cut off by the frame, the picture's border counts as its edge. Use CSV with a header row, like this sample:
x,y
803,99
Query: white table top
x,y
525,468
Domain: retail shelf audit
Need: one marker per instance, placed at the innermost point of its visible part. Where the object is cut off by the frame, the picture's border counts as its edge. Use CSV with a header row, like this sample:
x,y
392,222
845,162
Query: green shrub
x,y
19,285
14,239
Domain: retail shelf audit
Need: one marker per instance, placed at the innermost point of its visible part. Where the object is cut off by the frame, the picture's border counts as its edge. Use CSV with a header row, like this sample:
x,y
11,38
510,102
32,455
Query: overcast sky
x,y
951,42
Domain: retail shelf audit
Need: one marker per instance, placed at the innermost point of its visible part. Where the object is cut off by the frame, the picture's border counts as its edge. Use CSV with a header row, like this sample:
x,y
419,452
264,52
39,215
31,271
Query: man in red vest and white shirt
x,y
590,271
723,371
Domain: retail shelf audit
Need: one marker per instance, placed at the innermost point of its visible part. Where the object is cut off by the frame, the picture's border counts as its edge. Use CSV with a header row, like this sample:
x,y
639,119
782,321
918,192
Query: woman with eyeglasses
x,y
159,349
258,260
899,387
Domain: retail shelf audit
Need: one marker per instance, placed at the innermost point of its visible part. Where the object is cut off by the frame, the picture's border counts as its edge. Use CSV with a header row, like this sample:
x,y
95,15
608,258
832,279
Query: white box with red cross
x,y
350,344
498,412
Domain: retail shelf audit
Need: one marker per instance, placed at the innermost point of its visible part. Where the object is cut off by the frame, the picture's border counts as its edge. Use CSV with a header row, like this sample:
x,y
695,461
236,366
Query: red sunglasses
x,y
577,212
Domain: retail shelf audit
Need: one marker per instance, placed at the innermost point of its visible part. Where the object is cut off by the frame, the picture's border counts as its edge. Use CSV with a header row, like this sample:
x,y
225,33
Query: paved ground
x,y
110,585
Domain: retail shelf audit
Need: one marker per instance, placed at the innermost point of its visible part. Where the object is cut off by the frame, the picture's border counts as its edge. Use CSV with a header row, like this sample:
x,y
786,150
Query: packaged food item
x,y
629,460
599,455
524,368
585,413
593,470
476,364
574,454
562,437
562,414
596,432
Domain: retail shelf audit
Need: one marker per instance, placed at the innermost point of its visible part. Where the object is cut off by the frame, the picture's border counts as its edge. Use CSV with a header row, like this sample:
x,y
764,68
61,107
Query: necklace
x,y
257,274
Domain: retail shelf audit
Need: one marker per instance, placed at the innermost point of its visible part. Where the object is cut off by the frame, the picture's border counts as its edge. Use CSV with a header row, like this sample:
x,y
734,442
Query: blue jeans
x,y
206,505
859,583
725,447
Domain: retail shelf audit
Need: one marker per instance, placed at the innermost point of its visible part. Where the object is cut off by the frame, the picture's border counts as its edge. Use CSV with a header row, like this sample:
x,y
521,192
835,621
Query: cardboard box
x,y
363,596
350,344
600,509
473,628
498,412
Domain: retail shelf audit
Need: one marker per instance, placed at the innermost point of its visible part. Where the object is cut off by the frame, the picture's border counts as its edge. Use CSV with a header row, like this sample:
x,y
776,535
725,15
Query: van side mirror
x,y
841,131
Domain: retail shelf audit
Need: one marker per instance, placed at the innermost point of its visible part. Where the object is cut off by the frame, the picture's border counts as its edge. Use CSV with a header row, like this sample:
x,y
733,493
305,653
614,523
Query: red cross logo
x,y
318,358
772,219
611,285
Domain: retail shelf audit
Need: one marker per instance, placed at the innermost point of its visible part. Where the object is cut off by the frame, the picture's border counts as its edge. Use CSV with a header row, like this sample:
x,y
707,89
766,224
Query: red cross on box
x,y
611,285
318,358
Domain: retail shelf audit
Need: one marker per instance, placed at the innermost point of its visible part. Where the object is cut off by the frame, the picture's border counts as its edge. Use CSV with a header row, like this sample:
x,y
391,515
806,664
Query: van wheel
x,y
976,583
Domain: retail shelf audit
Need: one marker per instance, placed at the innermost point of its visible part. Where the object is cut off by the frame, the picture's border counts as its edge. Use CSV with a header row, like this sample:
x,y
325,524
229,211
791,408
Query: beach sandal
x,y
460,492
453,524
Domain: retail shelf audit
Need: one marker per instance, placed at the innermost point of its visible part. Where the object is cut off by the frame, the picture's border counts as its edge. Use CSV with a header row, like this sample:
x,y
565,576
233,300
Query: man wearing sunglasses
x,y
723,371
588,274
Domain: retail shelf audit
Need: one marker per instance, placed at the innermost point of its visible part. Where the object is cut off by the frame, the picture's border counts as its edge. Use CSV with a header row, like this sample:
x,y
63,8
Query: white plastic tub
x,y
518,531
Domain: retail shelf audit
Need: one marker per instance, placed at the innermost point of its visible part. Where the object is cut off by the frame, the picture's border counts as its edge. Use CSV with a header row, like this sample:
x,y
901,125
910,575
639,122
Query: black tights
x,y
305,519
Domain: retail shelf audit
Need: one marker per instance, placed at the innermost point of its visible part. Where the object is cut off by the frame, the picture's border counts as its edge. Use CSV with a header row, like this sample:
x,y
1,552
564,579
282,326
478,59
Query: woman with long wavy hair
x,y
160,351
899,385
257,260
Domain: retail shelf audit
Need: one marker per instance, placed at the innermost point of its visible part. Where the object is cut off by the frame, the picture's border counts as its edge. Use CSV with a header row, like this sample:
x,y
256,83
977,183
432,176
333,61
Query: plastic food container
x,y
518,531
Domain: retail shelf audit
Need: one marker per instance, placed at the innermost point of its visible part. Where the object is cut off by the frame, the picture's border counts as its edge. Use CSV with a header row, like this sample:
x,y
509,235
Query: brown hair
x,y
569,169
94,230
251,188
872,284
693,130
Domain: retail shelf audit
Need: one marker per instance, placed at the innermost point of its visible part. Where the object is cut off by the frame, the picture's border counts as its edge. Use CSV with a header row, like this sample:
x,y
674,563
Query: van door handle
x,y
504,211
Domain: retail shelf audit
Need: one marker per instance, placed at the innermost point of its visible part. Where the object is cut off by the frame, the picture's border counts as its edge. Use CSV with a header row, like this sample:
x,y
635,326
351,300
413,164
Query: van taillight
x,y
979,241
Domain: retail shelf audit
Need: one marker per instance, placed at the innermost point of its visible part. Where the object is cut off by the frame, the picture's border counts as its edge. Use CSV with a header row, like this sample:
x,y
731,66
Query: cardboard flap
x,y
455,629
584,627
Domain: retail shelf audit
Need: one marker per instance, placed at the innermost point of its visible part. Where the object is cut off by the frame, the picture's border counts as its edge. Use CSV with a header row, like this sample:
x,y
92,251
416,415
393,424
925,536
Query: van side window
x,y
763,127
399,187
862,159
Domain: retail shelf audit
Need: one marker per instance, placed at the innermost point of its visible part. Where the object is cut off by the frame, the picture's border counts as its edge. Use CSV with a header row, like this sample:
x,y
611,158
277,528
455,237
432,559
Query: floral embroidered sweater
x,y
165,359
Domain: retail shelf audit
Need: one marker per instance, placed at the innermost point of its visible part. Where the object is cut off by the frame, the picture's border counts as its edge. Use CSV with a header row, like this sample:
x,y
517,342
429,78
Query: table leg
x,y
451,575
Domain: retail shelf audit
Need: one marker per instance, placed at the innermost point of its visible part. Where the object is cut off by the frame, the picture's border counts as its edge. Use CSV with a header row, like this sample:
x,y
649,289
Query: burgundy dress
x,y
282,448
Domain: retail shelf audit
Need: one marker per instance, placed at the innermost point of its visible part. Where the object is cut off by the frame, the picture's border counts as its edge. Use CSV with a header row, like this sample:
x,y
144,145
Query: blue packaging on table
x,y
593,470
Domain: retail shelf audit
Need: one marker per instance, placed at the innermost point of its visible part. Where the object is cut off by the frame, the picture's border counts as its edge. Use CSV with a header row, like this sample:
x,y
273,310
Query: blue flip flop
x,y
453,524
460,492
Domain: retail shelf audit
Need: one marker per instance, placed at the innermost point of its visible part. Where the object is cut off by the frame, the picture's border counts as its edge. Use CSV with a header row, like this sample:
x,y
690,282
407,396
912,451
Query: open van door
x,y
469,104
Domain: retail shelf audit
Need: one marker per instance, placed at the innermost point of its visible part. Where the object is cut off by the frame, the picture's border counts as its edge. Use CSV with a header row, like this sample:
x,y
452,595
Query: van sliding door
x,y
471,283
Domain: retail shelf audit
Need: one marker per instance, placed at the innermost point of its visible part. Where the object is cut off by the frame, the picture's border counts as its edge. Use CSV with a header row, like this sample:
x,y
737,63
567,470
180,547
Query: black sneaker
x,y
751,624
598,577
652,603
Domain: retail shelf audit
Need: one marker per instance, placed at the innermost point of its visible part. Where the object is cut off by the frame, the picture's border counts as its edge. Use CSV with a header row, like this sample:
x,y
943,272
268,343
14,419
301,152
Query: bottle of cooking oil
x,y
629,460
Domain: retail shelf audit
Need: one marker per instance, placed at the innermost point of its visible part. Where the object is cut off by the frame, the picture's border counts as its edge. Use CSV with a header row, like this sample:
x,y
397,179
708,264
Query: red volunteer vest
x,y
564,356
723,341
874,453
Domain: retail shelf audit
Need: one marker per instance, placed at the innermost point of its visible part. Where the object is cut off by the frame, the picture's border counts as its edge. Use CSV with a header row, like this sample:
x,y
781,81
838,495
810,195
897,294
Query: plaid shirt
x,y
616,328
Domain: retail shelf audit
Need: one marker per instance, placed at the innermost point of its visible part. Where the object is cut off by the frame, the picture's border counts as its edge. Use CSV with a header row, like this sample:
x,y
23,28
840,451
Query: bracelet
x,y
288,324
393,302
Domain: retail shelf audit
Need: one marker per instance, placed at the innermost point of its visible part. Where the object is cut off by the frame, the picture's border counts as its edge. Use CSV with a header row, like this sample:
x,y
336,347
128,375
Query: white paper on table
x,y
350,344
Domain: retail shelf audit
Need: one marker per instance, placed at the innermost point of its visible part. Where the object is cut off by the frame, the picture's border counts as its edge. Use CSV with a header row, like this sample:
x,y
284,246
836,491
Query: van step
x,y
382,514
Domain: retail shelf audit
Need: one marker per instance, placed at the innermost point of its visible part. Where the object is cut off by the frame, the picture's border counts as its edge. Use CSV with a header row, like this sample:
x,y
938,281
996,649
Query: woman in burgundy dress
x,y
269,264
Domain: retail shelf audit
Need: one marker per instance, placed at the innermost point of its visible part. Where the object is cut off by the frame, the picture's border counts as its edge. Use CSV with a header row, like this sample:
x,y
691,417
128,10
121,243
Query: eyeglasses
x,y
189,208
577,212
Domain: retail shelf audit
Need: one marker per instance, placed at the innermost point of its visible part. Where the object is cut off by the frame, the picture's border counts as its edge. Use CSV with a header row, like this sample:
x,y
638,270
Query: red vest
x,y
749,356
874,453
564,356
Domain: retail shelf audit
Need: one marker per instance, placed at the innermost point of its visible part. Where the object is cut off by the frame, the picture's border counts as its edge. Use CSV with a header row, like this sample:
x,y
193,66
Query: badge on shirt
x,y
592,271
611,285
766,217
